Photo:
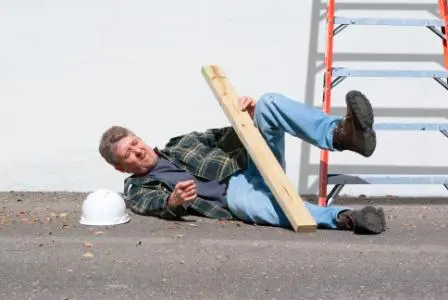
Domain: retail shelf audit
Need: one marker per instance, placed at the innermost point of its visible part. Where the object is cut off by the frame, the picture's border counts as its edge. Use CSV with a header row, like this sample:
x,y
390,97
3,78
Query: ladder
x,y
334,76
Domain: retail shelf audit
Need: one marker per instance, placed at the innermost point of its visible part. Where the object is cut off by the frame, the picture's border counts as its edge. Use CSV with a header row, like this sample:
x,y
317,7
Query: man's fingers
x,y
246,102
186,190
184,184
191,197
187,196
189,188
189,191
190,194
243,102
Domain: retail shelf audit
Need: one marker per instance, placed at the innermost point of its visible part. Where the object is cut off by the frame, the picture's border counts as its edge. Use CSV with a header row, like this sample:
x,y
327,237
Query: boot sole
x,y
362,109
370,221
363,118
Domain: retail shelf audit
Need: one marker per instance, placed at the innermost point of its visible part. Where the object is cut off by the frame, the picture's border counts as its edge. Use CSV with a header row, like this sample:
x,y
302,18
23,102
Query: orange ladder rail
x,y
323,174
443,9
342,73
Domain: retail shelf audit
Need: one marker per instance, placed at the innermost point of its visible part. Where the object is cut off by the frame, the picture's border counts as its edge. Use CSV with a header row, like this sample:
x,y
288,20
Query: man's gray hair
x,y
109,140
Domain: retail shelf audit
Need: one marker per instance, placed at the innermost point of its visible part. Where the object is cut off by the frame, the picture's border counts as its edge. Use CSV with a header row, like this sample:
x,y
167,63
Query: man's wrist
x,y
173,201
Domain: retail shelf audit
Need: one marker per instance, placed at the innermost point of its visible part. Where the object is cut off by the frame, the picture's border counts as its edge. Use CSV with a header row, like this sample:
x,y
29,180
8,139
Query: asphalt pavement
x,y
47,254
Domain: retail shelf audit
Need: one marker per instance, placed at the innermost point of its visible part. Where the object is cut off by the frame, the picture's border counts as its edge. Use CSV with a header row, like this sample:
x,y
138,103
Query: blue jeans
x,y
249,197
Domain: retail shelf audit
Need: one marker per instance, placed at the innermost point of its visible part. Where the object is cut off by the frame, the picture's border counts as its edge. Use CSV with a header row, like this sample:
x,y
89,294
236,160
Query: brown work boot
x,y
369,220
355,131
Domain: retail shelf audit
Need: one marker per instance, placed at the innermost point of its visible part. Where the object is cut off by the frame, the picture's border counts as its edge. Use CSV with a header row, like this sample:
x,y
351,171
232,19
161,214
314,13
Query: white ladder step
x,y
412,126
345,72
387,179
388,21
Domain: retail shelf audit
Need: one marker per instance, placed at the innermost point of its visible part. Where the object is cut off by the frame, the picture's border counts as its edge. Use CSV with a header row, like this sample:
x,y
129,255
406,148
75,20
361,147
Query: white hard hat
x,y
104,207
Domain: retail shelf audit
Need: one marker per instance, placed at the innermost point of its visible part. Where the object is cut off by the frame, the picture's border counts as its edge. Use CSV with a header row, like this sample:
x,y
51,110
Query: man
x,y
210,174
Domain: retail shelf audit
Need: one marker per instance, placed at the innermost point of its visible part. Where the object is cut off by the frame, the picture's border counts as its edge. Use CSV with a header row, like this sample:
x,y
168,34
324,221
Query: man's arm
x,y
153,200
211,137
225,138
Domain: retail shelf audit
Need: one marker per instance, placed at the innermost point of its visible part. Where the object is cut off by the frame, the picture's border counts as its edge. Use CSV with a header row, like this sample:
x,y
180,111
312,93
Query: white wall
x,y
70,69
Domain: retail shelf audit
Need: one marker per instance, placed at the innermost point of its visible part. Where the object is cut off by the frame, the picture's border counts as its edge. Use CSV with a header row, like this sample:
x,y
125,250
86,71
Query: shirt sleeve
x,y
211,137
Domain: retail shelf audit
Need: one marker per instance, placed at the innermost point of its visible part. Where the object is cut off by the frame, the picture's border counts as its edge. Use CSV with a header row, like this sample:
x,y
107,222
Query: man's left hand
x,y
247,104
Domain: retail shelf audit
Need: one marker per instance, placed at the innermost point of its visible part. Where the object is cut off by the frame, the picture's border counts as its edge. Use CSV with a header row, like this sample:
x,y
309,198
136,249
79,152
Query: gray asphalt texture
x,y
47,254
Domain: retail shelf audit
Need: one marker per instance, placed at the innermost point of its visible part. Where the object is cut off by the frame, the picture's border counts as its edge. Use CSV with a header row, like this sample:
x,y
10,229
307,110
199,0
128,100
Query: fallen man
x,y
211,174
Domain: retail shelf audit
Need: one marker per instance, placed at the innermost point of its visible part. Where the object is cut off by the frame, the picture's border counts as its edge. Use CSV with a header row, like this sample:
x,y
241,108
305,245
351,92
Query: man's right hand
x,y
247,104
184,191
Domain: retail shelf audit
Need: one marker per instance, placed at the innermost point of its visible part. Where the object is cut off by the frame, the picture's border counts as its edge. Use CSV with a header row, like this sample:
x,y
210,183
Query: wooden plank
x,y
280,185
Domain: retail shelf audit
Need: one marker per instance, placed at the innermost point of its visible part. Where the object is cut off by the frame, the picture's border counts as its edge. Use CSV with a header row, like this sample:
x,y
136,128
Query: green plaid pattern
x,y
215,154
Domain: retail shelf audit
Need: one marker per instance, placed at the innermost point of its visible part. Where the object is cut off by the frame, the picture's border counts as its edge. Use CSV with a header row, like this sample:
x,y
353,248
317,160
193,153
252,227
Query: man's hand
x,y
184,191
247,104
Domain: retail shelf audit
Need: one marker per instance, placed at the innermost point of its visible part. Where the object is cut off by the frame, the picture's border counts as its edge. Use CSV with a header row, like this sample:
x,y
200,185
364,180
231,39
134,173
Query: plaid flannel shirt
x,y
215,154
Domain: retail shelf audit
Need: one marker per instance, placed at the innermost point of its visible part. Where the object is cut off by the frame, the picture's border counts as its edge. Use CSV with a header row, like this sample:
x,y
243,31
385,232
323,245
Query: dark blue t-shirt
x,y
206,189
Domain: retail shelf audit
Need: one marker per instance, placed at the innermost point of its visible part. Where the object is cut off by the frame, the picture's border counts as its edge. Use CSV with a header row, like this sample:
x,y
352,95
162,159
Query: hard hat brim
x,y
126,218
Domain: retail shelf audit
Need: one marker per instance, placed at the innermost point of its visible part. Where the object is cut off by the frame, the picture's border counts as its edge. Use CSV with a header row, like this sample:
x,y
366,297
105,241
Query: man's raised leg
x,y
276,114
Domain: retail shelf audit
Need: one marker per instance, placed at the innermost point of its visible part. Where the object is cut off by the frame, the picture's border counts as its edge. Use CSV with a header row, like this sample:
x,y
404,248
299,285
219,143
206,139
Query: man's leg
x,y
276,114
250,200
248,195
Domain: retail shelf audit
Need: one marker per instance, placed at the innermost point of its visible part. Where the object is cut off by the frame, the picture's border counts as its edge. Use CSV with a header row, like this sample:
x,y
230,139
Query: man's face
x,y
134,156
